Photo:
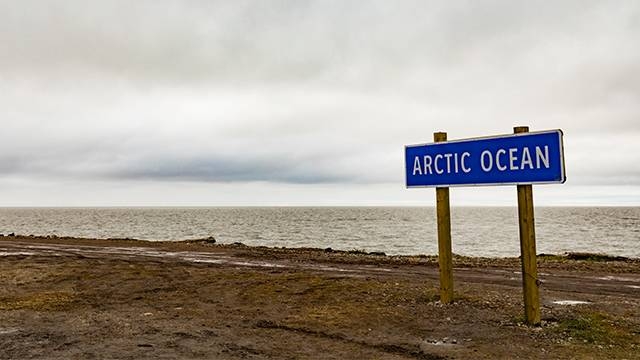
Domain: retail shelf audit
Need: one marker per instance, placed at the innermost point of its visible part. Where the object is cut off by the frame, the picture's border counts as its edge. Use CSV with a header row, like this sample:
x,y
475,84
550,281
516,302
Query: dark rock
x,y
328,250
210,240
204,241
593,257
377,253
357,252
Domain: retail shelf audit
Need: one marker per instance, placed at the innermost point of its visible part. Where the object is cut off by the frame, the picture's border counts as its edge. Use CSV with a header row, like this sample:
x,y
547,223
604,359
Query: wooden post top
x,y
439,136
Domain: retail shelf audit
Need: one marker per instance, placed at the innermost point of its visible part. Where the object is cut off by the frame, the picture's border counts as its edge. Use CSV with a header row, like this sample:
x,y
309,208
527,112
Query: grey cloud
x,y
281,40
214,169
308,92
94,165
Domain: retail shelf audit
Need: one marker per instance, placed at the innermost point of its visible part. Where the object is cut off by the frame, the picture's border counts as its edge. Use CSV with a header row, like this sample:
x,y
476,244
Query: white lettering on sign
x,y
427,165
515,162
448,157
438,170
464,167
526,159
544,157
498,164
512,159
504,159
441,163
486,155
416,166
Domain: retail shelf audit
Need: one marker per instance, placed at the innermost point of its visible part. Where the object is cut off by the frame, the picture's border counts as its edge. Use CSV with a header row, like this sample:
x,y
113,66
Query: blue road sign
x,y
524,158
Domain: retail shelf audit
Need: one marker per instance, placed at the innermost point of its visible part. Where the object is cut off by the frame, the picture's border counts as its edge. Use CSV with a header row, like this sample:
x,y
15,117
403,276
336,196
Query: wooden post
x,y
445,258
528,249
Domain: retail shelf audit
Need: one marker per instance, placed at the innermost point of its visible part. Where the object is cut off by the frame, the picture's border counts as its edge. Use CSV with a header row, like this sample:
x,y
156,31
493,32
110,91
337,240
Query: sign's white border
x,y
563,177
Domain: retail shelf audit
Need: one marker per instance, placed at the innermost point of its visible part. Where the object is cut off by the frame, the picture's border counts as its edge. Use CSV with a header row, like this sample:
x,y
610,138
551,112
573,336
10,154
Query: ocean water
x,y
476,231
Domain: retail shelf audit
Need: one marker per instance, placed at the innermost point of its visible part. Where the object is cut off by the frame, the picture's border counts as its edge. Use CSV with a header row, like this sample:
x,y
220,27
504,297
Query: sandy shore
x,y
63,298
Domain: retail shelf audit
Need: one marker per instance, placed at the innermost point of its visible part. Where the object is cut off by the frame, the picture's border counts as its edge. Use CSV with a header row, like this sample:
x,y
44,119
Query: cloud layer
x,y
307,92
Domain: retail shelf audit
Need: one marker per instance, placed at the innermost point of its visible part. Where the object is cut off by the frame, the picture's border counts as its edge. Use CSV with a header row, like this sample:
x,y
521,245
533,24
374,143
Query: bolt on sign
x,y
522,159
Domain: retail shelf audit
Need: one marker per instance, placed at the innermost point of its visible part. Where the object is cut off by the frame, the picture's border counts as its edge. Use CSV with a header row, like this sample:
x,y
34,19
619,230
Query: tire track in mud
x,y
582,283
408,350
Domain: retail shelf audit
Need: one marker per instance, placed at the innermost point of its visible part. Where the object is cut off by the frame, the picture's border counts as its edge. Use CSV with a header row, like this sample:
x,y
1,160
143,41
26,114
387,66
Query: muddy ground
x,y
63,298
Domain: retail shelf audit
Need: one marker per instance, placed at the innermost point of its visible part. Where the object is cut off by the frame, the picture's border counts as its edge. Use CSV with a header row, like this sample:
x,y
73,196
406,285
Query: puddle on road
x,y
617,278
7,331
570,302
190,256
206,261
16,253
446,343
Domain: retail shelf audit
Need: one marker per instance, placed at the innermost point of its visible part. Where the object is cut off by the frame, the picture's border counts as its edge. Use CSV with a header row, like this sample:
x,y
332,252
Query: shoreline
x,y
568,255
568,260
84,298
475,232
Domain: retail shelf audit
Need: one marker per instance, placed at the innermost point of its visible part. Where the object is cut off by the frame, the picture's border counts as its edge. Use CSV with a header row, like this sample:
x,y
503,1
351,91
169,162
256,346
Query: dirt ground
x,y
63,298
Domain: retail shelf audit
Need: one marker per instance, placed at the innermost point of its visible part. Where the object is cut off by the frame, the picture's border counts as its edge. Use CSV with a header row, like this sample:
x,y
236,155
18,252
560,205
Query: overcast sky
x,y
306,102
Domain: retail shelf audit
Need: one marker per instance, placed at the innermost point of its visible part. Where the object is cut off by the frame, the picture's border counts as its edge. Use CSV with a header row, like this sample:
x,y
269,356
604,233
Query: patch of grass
x,y
431,295
47,301
585,327
594,328
343,301
517,320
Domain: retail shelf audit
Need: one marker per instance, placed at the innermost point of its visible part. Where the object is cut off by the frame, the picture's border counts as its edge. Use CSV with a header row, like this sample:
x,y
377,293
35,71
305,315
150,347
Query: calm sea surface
x,y
483,231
